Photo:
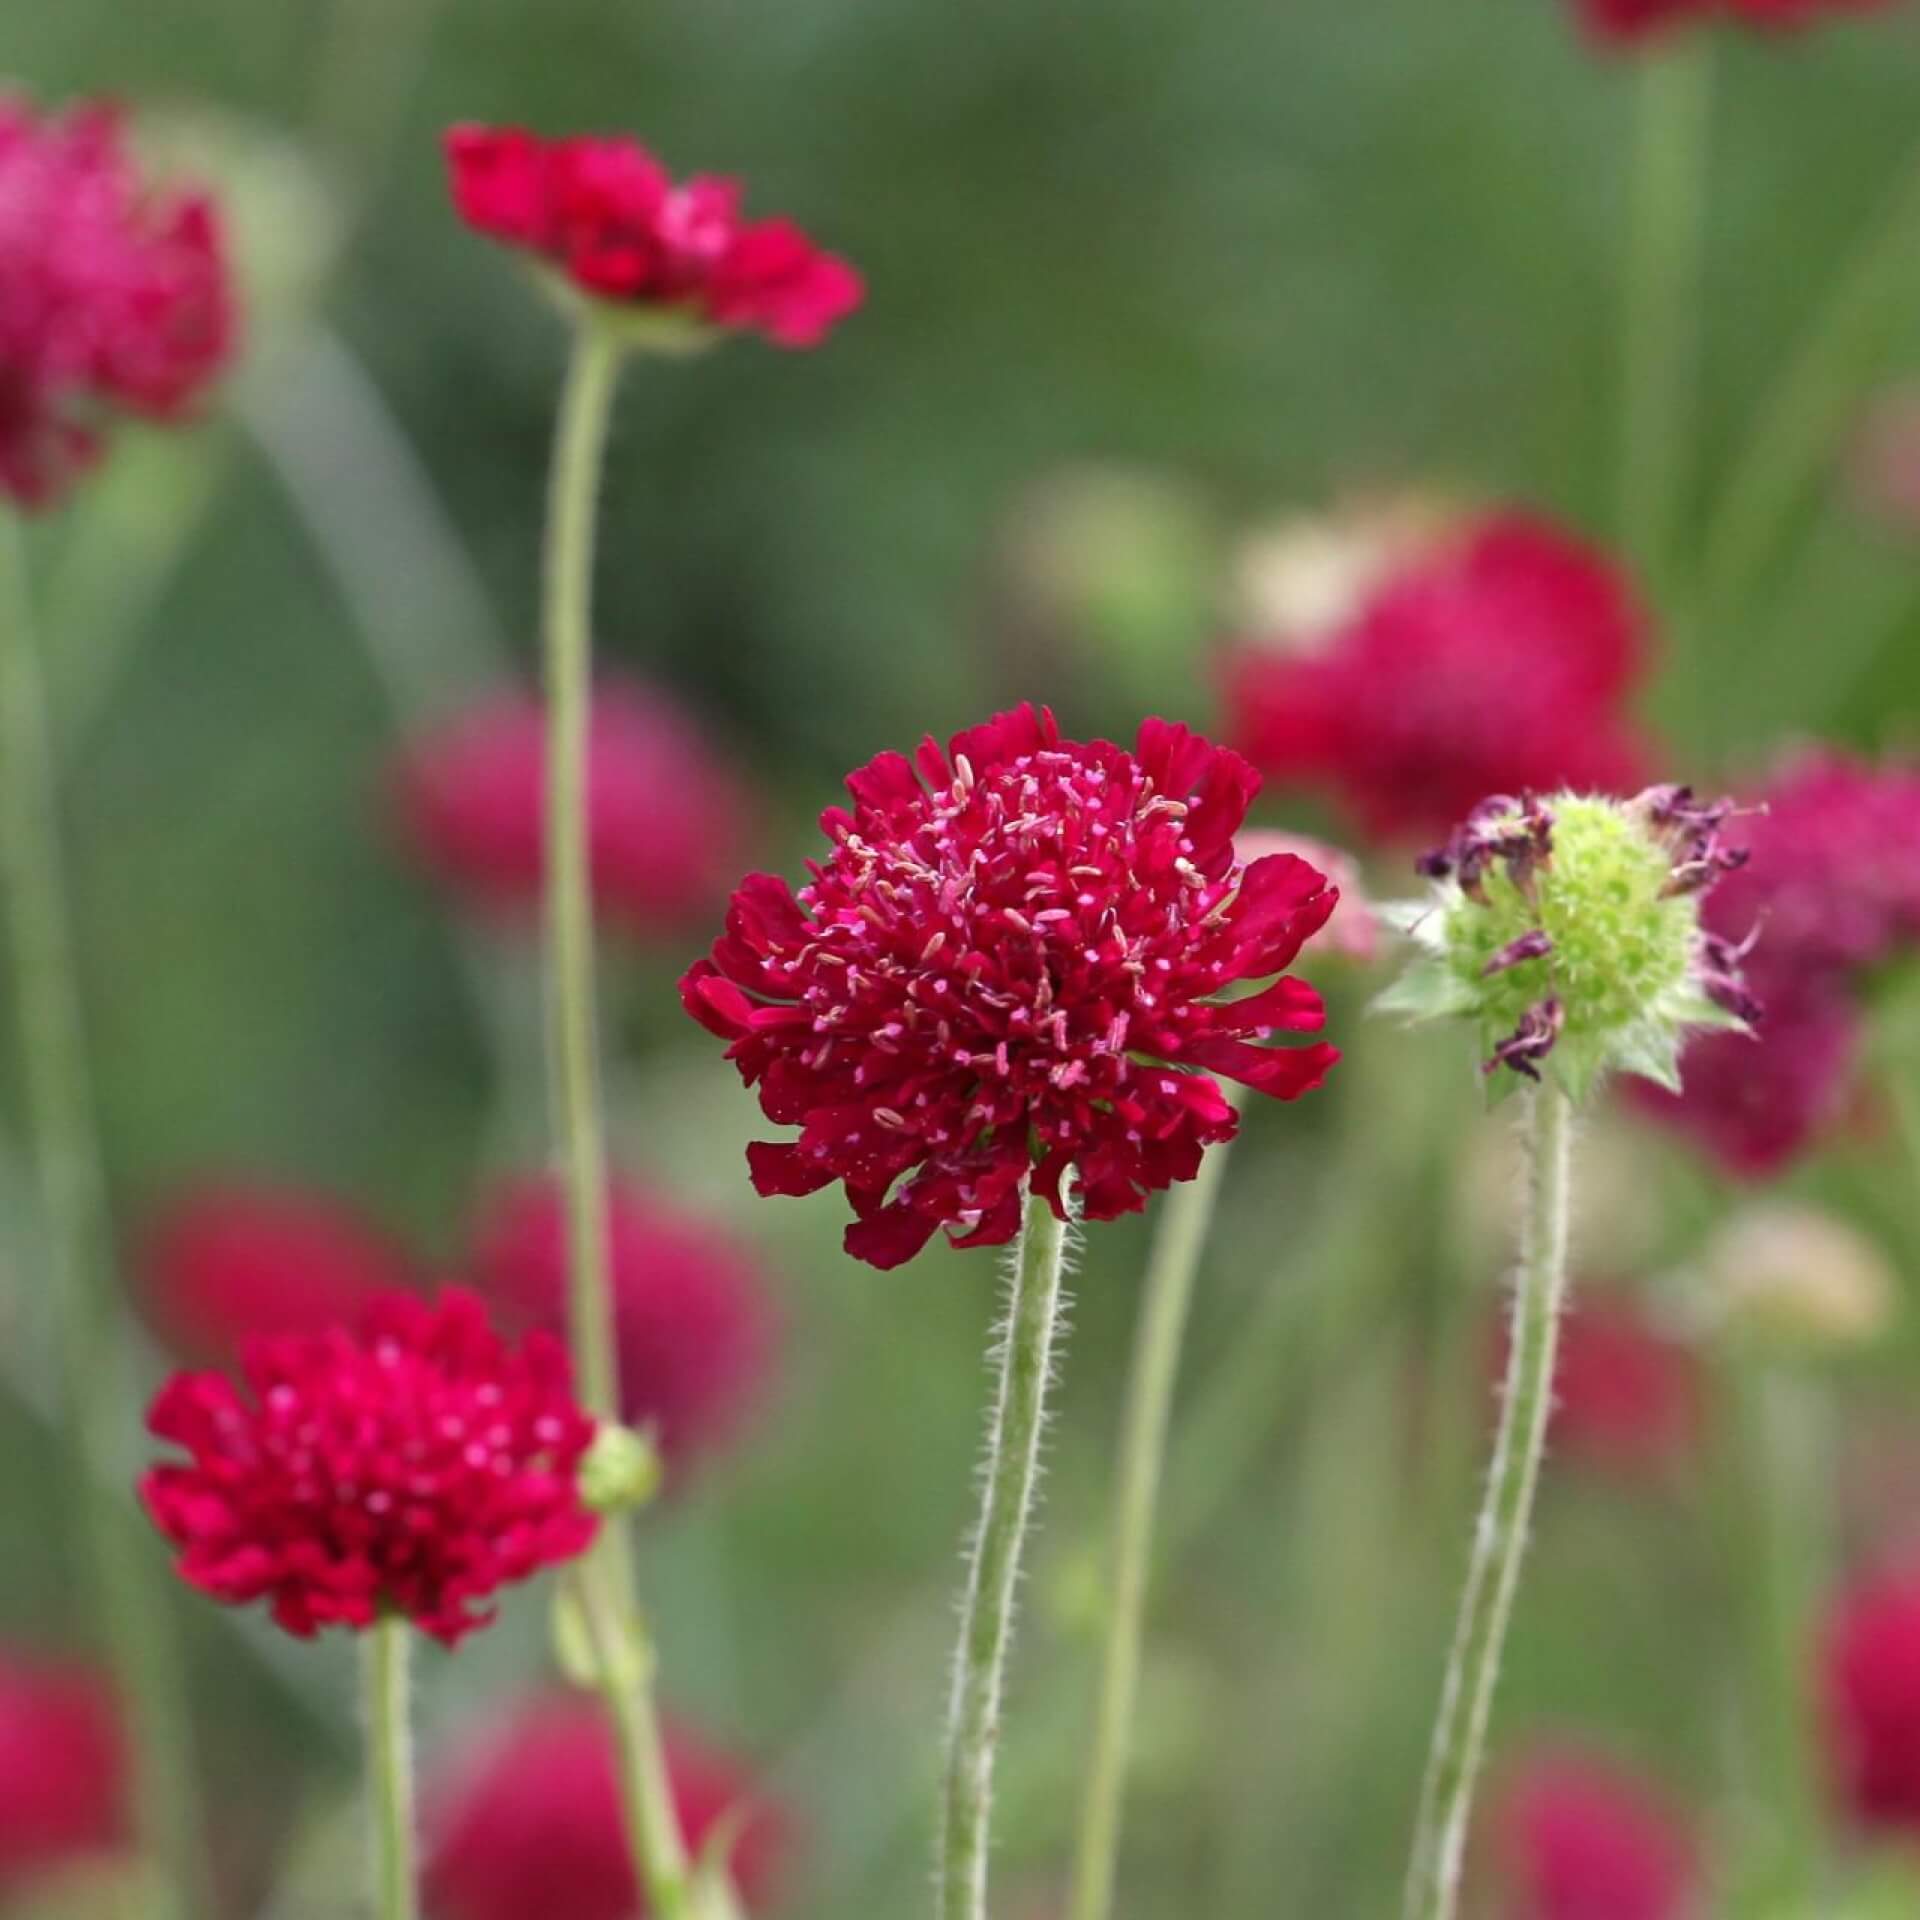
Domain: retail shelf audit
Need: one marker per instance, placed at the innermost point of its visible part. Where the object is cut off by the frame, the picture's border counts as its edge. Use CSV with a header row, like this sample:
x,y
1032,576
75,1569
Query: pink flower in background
x,y
1629,21
1831,891
1577,1838
528,1821
606,215
1871,1692
1007,964
666,818
114,295
417,1465
229,1259
693,1323
1352,930
1496,656
1627,1395
62,1769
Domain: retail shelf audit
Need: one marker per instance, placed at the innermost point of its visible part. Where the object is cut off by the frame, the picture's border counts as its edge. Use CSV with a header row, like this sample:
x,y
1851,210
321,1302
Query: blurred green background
x,y
1244,257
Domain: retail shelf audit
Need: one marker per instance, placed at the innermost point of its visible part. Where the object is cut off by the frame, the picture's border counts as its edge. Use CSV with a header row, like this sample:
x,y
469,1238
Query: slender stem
x,y
384,1651
1666,220
1795,427
1185,1216
607,1577
993,1571
1500,1534
133,1615
579,446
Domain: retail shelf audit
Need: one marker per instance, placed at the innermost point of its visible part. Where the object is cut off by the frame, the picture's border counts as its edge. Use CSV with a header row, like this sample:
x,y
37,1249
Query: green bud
x,y
620,1471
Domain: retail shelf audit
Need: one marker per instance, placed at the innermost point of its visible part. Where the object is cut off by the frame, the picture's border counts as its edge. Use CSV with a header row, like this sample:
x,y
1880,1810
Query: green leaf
x,y
1652,1050
1427,991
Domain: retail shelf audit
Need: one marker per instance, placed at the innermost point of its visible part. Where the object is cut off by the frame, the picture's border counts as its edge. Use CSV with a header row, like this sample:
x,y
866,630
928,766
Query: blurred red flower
x,y
229,1259
1872,1700
1627,1396
1008,964
1831,890
62,1768
1634,20
666,818
416,1465
606,214
1495,655
693,1324
1579,1839
530,1822
114,295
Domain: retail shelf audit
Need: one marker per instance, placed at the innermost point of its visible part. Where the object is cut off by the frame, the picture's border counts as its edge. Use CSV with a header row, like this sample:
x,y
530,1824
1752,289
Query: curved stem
x,y
1167,1296
1665,224
1500,1534
1006,1505
133,1615
384,1651
573,1064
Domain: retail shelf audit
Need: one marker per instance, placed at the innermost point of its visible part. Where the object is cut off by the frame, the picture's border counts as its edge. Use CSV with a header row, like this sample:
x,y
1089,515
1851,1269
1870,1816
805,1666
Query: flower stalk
x,y
1166,1299
132,1619
623,1663
385,1653
1006,1506
1500,1533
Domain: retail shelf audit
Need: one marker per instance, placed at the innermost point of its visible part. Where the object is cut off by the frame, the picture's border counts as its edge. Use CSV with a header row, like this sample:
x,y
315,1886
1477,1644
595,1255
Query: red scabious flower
x,y
531,1821
228,1260
1496,659
1634,20
666,819
1831,889
114,296
1627,1396
1578,1839
1871,1687
1008,964
62,1769
413,1467
693,1325
606,215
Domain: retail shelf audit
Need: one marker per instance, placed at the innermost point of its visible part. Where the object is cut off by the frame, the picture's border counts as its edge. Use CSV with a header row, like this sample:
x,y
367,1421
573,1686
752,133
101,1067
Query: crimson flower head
x,y
1871,1691
605,215
1578,1839
666,818
231,1259
693,1328
1494,654
62,1769
530,1821
1628,1396
412,1467
1009,963
1829,891
1626,22
114,295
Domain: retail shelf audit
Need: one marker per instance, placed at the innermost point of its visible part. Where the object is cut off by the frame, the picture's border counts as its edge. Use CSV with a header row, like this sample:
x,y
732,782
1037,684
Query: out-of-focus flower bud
x,y
1353,931
1799,1277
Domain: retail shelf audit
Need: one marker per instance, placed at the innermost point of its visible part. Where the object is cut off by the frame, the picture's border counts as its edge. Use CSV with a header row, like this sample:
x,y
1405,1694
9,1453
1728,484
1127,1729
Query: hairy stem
x,y
1185,1216
1665,225
1006,1504
1500,1533
384,1650
132,1612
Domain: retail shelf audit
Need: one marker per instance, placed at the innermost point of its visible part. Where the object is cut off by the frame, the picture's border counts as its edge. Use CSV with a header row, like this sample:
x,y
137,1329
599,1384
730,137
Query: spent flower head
x,y
412,1467
1569,931
1012,961
672,263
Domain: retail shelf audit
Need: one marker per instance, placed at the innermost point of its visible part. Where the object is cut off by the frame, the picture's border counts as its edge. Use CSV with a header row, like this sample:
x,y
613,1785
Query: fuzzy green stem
x,y
607,1577
1006,1505
1500,1534
1666,219
586,406
384,1650
133,1619
1185,1216
1795,428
